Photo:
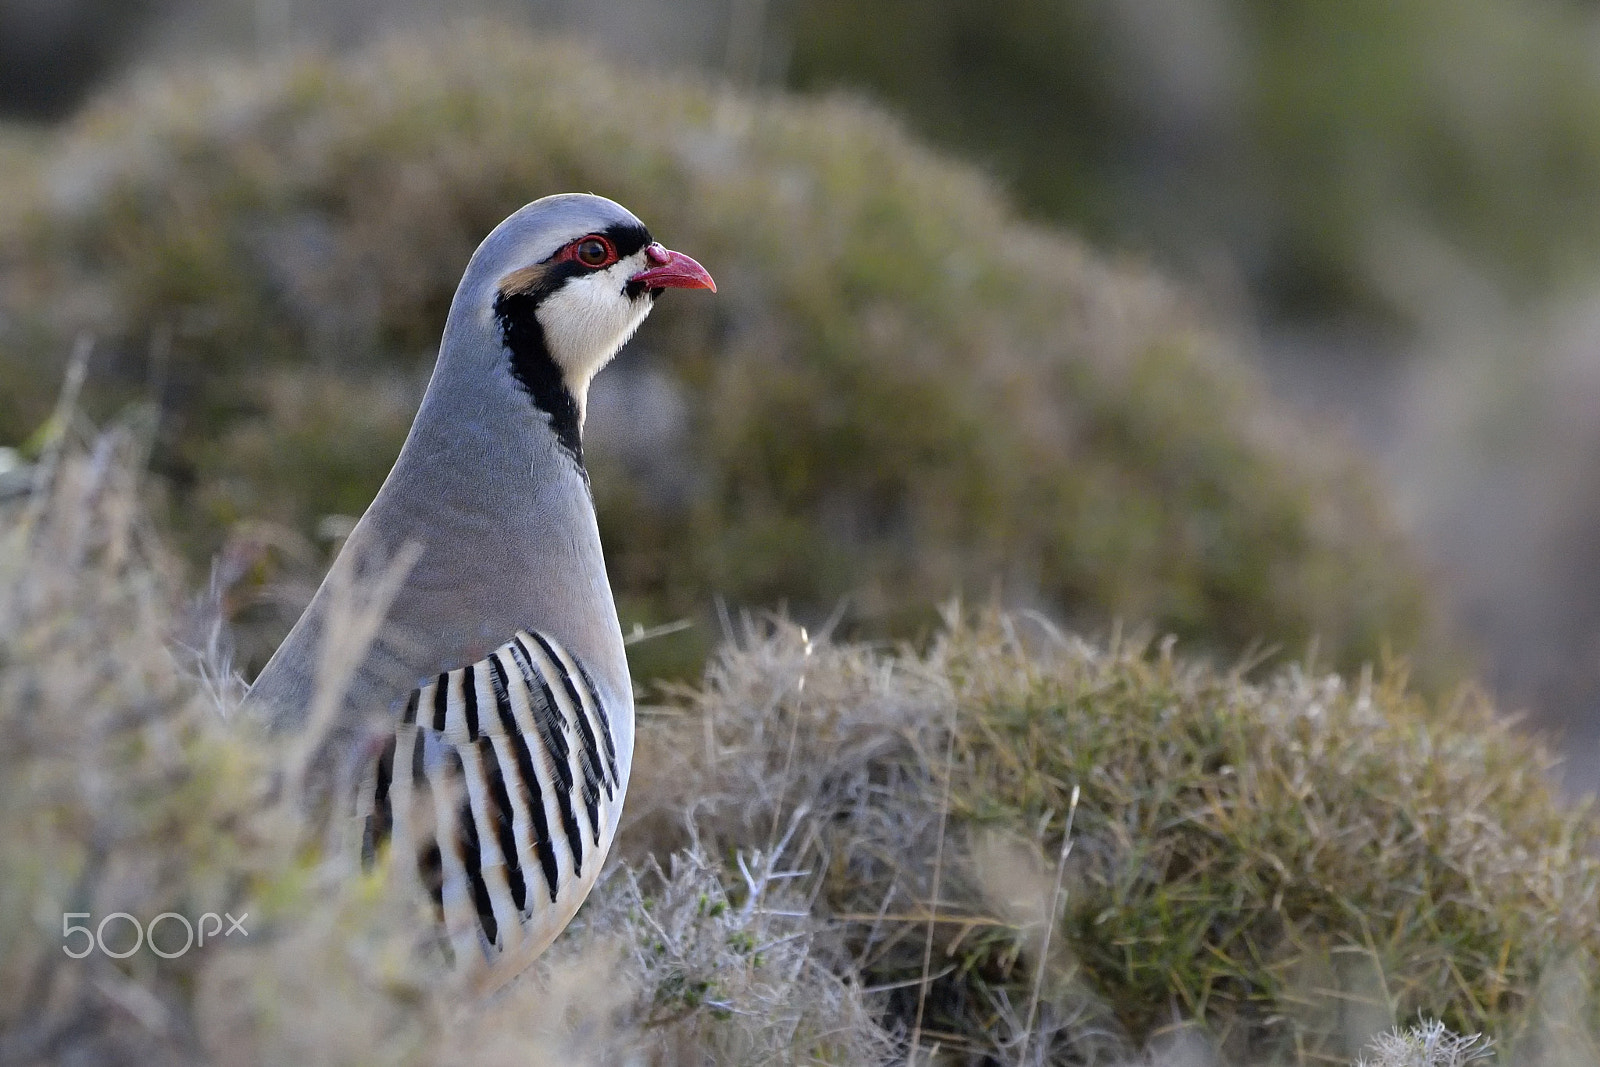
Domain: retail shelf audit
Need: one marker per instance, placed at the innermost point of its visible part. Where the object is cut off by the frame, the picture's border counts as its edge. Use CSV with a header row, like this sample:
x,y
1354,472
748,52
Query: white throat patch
x,y
587,320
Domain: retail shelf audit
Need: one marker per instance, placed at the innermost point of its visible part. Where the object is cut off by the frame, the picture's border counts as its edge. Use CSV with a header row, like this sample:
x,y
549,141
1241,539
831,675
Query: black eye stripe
x,y
626,237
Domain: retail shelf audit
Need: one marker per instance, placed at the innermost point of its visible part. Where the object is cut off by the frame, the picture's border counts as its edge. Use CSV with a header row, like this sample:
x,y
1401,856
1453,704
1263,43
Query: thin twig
x,y
1049,927
938,874
357,606
54,439
640,633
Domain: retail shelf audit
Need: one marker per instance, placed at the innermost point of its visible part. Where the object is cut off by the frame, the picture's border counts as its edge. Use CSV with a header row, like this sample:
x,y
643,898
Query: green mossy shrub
x,y
899,393
1293,865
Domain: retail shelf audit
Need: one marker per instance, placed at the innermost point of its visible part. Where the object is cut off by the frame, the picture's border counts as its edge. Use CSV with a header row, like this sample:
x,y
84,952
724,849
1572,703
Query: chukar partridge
x,y
500,661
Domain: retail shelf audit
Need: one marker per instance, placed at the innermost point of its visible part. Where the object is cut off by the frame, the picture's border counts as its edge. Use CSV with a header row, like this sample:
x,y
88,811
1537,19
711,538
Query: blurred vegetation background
x,y
1388,208
1272,327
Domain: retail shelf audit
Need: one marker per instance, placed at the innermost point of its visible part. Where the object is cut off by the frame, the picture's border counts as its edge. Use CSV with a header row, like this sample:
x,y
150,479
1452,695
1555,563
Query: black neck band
x,y
536,370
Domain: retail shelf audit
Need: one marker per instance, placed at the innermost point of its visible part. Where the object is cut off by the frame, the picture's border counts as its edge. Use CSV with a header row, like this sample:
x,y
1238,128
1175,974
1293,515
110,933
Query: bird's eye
x,y
593,252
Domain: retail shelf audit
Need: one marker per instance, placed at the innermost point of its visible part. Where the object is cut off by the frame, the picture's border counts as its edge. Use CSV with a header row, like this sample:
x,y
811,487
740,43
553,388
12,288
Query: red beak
x,y
672,270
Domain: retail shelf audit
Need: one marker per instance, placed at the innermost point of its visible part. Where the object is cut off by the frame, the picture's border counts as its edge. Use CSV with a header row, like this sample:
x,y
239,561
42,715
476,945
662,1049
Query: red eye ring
x,y
593,251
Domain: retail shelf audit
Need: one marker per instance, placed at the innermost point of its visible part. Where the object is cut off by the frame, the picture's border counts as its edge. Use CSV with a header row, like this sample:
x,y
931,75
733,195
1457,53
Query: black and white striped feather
x,y
501,778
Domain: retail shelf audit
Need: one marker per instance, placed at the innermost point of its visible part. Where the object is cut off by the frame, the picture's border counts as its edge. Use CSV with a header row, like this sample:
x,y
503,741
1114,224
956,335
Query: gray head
x,y
564,282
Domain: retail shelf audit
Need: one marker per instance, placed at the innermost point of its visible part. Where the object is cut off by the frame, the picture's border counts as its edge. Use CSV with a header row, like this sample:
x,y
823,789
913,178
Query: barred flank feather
x,y
511,798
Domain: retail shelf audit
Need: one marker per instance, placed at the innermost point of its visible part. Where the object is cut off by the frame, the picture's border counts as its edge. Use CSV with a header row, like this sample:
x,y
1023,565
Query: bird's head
x,y
566,280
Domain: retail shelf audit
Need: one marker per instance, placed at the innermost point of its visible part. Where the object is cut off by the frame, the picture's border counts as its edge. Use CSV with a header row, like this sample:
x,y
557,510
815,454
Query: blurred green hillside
x,y
1296,135
900,393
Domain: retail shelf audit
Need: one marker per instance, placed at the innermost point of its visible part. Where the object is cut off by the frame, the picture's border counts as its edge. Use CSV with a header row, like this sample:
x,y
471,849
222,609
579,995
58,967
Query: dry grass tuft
x,y
125,787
